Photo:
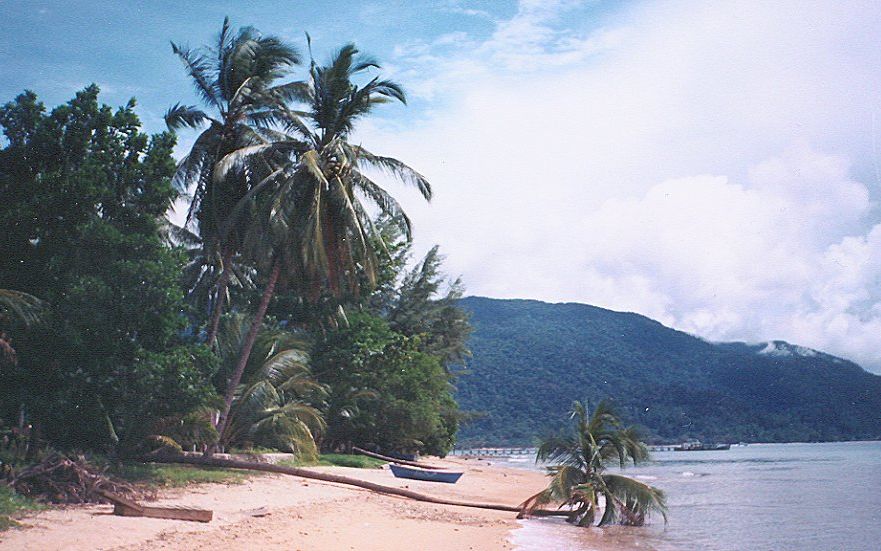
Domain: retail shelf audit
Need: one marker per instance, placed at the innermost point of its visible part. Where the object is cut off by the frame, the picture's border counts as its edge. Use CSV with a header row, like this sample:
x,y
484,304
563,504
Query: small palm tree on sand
x,y
579,477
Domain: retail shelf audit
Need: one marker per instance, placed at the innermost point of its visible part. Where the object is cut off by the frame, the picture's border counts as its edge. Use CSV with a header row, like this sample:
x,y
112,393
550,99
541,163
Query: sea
x,y
774,497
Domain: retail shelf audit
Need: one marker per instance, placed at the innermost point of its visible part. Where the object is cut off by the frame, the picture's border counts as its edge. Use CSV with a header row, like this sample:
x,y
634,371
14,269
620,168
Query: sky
x,y
712,165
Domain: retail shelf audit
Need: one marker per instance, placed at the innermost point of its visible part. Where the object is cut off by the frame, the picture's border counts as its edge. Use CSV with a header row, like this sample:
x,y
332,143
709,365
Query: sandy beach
x,y
286,512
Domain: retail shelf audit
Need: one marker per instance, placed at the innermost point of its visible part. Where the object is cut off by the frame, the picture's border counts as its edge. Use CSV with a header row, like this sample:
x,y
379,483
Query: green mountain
x,y
532,359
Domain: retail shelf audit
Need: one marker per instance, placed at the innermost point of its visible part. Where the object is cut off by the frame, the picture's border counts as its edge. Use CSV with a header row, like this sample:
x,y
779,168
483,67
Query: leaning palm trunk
x,y
338,479
222,284
247,346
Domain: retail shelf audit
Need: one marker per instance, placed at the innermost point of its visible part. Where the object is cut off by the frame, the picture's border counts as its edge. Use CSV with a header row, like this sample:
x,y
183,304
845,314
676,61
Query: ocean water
x,y
774,497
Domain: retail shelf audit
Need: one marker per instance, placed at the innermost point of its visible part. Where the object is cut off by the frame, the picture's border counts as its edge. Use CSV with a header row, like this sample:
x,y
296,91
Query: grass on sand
x,y
12,504
159,475
173,476
337,460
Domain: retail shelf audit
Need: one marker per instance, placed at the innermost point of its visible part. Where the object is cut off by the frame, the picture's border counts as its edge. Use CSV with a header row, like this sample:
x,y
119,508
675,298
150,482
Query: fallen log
x,y
127,508
337,479
375,455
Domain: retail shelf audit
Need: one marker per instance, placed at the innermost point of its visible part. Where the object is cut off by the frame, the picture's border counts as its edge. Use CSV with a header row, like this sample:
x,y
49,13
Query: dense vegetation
x,y
532,359
84,191
281,316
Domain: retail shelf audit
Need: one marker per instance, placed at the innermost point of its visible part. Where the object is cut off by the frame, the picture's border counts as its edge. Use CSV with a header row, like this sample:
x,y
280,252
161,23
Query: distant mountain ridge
x,y
532,359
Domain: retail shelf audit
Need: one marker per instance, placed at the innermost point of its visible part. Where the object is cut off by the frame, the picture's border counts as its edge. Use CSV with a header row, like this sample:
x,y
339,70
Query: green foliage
x,y
11,505
84,195
578,478
383,391
236,78
355,461
312,211
277,192
172,476
421,301
272,407
337,460
675,385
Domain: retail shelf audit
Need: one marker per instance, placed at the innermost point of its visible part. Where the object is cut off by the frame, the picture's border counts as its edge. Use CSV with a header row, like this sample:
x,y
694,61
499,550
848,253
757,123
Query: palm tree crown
x,y
236,80
578,476
316,205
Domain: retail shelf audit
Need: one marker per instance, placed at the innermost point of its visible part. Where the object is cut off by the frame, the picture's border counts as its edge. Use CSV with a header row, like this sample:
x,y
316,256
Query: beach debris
x,y
128,508
62,479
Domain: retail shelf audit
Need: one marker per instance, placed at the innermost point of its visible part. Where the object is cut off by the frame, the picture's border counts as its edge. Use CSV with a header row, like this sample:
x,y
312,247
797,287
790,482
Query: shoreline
x,y
287,512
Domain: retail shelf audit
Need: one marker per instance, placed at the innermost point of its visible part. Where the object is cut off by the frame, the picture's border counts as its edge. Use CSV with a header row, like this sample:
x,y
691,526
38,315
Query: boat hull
x,y
429,475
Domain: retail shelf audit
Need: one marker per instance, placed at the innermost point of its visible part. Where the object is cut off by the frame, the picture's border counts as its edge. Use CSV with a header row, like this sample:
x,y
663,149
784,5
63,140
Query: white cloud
x,y
707,164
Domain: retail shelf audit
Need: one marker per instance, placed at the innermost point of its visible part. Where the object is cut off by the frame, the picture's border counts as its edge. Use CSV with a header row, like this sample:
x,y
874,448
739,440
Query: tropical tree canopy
x,y
308,228
382,391
315,209
578,471
84,195
15,307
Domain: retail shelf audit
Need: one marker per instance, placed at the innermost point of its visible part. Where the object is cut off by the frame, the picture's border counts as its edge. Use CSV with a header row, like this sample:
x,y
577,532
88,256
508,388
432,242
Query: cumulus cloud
x,y
710,165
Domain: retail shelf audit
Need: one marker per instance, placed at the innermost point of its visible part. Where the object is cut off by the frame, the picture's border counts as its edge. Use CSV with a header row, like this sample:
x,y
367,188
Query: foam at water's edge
x,y
543,535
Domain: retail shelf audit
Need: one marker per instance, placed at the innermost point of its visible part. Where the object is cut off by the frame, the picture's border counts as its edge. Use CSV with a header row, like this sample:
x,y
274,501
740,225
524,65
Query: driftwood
x,y
375,455
61,479
127,508
327,477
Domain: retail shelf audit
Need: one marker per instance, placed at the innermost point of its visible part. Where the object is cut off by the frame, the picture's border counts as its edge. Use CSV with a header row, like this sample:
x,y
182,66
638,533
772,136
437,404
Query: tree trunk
x,y
327,477
222,283
245,353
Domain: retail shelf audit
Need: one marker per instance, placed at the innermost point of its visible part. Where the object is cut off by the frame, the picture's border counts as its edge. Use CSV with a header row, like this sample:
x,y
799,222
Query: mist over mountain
x,y
532,359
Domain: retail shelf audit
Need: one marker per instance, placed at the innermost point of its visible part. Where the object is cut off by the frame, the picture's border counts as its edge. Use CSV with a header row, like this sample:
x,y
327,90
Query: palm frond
x,y
630,501
398,169
25,307
184,116
199,68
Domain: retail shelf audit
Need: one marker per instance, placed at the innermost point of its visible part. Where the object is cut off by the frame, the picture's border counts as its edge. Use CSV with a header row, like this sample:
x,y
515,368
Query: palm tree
x,y
579,476
21,306
273,407
314,226
236,81
201,273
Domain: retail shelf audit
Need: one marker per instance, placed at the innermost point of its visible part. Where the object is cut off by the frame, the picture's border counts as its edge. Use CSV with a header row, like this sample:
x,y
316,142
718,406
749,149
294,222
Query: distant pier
x,y
665,448
493,452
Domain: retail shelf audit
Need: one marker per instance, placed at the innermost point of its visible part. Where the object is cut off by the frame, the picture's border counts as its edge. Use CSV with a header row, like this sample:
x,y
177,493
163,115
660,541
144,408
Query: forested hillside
x,y
532,359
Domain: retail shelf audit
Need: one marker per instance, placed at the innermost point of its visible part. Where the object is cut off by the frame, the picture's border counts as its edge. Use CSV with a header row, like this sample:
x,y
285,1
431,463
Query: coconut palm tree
x,y
313,225
274,405
201,272
579,477
236,80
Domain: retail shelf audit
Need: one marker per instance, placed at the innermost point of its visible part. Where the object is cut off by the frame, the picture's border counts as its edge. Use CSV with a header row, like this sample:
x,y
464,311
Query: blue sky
x,y
57,47
713,165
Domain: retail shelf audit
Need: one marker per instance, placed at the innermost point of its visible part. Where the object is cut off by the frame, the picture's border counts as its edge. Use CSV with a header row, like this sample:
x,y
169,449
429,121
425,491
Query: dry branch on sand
x,y
61,479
